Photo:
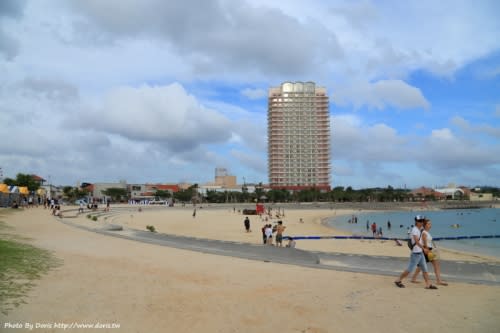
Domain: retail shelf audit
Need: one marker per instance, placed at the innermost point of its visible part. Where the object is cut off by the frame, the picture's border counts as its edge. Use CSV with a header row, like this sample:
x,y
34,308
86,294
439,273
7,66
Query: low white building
x,y
451,192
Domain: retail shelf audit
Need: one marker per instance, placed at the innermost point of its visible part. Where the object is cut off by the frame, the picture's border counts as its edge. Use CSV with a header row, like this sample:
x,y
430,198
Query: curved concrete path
x,y
471,272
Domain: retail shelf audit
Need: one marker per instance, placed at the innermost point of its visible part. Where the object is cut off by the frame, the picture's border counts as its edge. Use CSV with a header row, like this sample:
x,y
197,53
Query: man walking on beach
x,y
279,233
247,224
417,256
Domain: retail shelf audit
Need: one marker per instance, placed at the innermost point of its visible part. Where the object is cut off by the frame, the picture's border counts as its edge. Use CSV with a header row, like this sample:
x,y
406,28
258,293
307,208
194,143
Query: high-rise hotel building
x,y
299,136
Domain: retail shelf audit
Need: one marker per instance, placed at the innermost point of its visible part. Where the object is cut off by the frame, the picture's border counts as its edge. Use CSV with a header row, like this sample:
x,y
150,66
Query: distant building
x,y
148,191
223,178
473,196
99,188
298,137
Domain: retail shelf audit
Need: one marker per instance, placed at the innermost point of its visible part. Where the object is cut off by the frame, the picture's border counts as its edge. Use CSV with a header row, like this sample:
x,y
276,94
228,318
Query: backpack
x,y
409,242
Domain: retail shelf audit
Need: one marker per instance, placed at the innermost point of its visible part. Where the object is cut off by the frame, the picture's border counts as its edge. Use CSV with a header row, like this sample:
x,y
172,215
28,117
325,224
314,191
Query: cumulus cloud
x,y
9,47
445,151
167,114
253,161
476,129
374,149
254,93
381,94
351,140
9,9
50,88
242,37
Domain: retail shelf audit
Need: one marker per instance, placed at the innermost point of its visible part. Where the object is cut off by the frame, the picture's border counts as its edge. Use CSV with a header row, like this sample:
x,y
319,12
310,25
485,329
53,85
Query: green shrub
x,y
94,218
151,228
89,216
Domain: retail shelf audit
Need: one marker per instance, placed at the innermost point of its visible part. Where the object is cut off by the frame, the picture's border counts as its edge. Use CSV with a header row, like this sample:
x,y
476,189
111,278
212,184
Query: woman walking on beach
x,y
430,255
417,256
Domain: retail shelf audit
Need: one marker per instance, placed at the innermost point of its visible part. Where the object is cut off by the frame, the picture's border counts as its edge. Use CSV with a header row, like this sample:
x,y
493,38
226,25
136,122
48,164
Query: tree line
x,y
191,194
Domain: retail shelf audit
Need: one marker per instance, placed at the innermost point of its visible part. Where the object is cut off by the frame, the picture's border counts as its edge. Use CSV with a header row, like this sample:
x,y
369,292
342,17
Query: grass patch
x,y
20,265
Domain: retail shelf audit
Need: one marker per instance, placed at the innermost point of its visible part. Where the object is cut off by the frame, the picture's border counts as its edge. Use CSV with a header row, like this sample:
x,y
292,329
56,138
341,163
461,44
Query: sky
x,y
154,91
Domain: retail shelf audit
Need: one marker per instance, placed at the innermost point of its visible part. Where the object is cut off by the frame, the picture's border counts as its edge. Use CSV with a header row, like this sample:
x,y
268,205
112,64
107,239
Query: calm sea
x,y
472,222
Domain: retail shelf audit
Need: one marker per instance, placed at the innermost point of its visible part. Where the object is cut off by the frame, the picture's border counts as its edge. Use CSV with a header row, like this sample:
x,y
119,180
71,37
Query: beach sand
x,y
149,288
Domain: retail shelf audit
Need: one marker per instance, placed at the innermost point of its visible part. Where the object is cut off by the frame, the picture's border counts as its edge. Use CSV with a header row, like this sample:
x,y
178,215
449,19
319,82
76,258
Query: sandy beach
x,y
149,288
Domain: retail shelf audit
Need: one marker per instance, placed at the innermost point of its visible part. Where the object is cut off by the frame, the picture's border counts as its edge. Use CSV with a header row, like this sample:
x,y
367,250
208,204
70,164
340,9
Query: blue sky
x,y
166,91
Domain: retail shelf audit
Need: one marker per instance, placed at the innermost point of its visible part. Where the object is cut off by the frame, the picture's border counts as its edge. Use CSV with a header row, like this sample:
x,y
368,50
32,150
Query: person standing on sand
x,y
264,238
417,256
194,213
430,255
247,224
279,233
269,234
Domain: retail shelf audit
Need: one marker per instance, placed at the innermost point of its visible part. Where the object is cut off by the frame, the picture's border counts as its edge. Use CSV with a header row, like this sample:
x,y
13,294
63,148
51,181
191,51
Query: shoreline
x,y
217,221
446,251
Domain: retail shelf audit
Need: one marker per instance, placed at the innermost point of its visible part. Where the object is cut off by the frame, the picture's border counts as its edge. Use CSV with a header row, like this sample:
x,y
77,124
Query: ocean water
x,y
472,222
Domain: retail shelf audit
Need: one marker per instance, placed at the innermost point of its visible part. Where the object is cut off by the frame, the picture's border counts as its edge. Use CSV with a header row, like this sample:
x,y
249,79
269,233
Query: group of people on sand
x,y
268,230
423,251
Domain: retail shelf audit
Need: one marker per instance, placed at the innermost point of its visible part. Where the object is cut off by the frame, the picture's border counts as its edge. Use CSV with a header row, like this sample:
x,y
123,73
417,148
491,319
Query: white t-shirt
x,y
268,232
416,232
429,239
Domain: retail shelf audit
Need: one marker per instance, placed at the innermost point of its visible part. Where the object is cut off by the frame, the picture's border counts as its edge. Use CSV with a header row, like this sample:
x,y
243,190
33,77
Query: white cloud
x,y
9,47
443,135
220,34
253,161
9,10
254,93
381,94
380,152
352,140
475,129
167,114
444,151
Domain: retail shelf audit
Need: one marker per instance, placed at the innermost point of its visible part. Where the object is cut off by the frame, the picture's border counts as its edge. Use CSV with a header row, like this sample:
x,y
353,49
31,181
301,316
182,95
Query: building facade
x,y
298,136
223,178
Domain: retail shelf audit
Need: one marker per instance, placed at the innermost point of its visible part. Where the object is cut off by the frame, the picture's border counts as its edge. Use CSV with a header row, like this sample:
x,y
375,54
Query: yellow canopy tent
x,y
24,190
4,188
40,191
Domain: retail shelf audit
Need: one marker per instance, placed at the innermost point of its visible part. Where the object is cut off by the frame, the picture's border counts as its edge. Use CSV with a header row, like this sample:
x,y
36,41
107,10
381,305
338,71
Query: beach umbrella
x,y
4,188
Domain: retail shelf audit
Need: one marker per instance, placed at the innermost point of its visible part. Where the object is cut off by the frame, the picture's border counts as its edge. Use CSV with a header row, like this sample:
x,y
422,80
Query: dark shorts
x,y
279,238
